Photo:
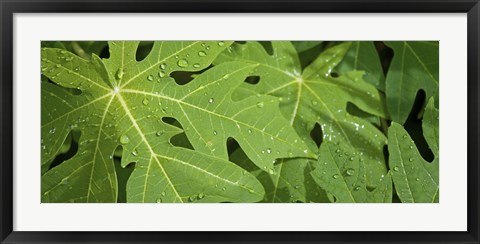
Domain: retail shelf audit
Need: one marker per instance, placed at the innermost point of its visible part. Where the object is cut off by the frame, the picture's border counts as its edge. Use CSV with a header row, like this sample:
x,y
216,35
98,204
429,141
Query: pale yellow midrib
x,y
134,122
202,109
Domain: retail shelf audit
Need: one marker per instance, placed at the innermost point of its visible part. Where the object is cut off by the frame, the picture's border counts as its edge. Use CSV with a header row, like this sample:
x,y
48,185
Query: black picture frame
x,y
9,7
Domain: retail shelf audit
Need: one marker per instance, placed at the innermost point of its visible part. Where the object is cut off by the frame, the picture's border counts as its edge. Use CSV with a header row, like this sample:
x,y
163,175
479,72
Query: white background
x,y
449,215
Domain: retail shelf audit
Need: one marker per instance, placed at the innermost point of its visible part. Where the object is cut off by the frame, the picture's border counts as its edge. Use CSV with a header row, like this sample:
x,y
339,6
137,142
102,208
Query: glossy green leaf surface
x,y
122,103
289,181
416,180
239,122
302,46
414,66
362,55
342,173
313,96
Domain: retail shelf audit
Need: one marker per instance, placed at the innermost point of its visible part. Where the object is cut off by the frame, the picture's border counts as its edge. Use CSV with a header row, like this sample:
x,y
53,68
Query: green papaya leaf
x,y
414,66
292,182
123,102
362,55
313,96
289,181
342,173
302,46
415,179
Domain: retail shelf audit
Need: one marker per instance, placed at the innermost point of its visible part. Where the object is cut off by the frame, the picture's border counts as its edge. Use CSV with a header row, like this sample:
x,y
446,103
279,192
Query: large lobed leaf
x,y
313,96
122,103
345,176
363,55
416,180
414,67
290,180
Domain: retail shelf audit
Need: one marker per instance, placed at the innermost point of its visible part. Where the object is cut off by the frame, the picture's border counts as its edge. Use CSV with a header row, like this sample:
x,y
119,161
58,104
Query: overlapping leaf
x,y
302,46
362,55
277,100
313,96
123,102
345,176
289,181
414,66
416,180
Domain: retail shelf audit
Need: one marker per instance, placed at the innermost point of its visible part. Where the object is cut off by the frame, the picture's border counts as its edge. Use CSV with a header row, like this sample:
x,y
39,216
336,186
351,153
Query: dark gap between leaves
x,y
105,53
123,174
143,49
253,80
385,53
172,121
181,140
317,134
185,77
267,45
238,156
70,148
386,155
413,126
232,145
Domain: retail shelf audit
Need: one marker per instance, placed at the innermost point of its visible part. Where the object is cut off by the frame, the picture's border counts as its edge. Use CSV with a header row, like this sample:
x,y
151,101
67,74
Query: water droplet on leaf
x,y
182,63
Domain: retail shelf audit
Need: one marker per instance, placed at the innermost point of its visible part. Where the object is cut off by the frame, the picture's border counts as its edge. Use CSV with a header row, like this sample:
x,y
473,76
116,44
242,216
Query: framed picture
x,y
319,121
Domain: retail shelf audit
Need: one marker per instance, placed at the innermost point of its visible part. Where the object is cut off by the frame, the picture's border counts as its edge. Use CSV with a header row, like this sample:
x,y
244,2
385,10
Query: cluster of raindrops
x,y
181,62
63,58
349,165
163,194
408,160
196,197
